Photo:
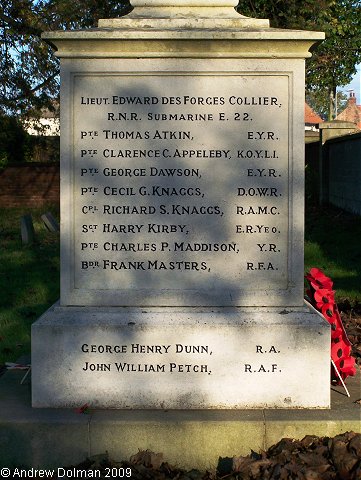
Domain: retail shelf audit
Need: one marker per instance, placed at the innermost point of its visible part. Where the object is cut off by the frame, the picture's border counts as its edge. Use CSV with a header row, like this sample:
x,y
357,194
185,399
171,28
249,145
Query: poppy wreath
x,y
322,297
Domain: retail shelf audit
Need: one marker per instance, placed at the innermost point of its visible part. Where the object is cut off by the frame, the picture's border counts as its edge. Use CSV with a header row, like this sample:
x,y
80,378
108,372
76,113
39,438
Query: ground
x,y
351,319
312,458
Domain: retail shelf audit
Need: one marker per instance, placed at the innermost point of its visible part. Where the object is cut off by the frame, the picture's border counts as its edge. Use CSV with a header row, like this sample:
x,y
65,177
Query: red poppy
x,y
336,331
83,409
340,350
323,296
347,366
328,311
341,355
318,279
340,326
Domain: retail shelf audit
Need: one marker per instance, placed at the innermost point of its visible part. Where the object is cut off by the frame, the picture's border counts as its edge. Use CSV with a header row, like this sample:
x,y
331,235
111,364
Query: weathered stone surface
x,y
50,222
186,437
182,198
126,358
27,229
185,15
182,170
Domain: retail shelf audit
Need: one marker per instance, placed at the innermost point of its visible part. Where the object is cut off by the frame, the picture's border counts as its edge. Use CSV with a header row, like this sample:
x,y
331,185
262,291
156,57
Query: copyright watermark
x,y
108,472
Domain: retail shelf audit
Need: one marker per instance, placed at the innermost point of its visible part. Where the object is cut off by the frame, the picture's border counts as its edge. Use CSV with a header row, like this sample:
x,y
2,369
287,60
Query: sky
x,y
354,85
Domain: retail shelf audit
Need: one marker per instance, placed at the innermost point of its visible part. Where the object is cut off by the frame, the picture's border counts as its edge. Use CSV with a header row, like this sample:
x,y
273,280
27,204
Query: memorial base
x,y
180,359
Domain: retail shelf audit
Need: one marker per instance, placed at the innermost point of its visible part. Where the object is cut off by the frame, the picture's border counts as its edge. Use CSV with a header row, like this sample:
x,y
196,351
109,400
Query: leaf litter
x,y
312,458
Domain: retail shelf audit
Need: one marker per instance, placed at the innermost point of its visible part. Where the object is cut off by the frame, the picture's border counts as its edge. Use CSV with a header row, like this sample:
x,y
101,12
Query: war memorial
x,y
182,229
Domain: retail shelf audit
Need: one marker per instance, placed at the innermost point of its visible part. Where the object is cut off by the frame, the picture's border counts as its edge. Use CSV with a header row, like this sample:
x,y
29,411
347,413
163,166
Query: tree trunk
x,y
332,104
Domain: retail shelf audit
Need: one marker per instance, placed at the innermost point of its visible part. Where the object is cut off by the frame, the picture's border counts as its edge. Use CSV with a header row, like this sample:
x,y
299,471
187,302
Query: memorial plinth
x,y
182,164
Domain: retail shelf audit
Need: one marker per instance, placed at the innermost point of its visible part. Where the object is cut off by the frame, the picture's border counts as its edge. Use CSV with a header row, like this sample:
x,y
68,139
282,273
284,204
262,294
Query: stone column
x,y
182,163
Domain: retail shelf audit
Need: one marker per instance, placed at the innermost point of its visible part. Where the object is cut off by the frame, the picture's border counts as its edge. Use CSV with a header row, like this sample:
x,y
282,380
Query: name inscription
x,y
163,359
179,189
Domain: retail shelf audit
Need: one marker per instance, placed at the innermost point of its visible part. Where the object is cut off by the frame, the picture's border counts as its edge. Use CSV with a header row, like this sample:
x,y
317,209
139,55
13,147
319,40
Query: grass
x,y
332,243
29,275
29,279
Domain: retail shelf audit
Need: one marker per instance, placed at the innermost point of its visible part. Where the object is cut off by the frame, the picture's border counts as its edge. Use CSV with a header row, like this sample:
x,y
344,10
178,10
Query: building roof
x,y
311,117
352,112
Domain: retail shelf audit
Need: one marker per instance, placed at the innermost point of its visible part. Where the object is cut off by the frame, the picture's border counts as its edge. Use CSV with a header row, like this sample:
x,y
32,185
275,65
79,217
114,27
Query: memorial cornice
x,y
246,43
183,29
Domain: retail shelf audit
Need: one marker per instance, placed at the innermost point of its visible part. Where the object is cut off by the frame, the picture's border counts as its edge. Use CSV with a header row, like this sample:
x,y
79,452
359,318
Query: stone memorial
x,y
182,164
27,229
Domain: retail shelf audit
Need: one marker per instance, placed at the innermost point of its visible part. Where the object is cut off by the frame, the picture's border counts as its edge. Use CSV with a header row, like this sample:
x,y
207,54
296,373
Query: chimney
x,y
352,98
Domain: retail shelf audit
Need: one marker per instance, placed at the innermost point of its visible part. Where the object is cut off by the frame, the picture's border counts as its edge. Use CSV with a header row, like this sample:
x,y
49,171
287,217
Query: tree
x,y
319,102
334,60
13,140
29,70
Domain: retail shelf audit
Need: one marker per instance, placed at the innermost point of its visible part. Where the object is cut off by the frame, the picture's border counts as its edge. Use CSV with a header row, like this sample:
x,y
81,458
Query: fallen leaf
x,y
355,445
147,458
